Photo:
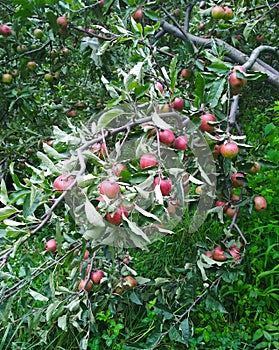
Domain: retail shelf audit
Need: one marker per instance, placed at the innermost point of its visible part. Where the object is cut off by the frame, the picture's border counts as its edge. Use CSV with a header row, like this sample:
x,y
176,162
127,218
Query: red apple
x,y
109,188
5,30
62,22
166,137
219,254
165,185
62,182
51,245
178,104
129,282
116,218
181,142
260,203
209,254
96,276
234,253
102,3
160,87
71,113
205,118
201,26
218,12
237,83
236,182
7,78
87,287
231,211
235,199
148,160
228,13
259,38
255,168
216,151
137,15
186,73
229,150
221,204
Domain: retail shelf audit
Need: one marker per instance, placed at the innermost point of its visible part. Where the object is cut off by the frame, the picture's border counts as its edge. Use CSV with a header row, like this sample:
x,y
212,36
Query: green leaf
x,y
199,87
107,117
7,212
135,229
216,90
92,215
173,72
37,296
159,122
48,164
248,28
3,193
135,299
185,329
258,334
62,322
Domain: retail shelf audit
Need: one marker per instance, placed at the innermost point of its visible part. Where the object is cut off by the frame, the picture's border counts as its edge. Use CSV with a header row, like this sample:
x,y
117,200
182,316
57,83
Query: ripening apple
x,y
229,150
218,12
228,13
7,78
31,65
62,22
165,185
260,203
65,51
255,168
5,30
129,282
21,48
102,3
178,104
209,254
62,182
231,212
48,77
148,160
116,218
109,188
205,118
137,15
51,245
38,33
237,83
118,168
96,276
71,113
219,254
235,199
180,142
85,286
236,182
201,26
166,136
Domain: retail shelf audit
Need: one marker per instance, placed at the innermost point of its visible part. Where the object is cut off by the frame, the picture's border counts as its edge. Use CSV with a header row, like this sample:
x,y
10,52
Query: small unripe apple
x,y
217,12
51,245
31,65
235,181
178,104
260,203
180,142
96,276
62,22
87,287
205,118
165,185
38,33
255,168
166,136
62,182
259,38
65,51
7,78
118,168
109,188
15,72
21,48
48,77
148,160
137,15
116,218
201,26
219,254
229,150
5,30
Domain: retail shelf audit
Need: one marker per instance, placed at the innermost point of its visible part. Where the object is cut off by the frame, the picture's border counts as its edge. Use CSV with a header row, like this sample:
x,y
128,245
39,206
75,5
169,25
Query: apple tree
x,y
121,126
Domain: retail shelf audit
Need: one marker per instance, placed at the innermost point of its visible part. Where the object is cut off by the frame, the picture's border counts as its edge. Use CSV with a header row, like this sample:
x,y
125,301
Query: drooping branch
x,y
189,8
256,52
233,53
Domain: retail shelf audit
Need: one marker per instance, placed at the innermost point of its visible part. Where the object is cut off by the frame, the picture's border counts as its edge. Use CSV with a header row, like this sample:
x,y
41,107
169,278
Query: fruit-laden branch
x,y
233,53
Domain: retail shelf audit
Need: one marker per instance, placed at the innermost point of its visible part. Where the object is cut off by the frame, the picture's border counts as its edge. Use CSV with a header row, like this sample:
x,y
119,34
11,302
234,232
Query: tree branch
x,y
233,53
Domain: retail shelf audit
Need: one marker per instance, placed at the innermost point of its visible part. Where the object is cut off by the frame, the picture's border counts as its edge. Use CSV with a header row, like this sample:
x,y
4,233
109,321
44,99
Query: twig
x,y
255,54
189,9
240,233
233,110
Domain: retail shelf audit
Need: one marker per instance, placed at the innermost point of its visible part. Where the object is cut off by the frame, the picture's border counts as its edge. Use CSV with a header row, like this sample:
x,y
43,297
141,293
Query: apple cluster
x,y
220,12
219,254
